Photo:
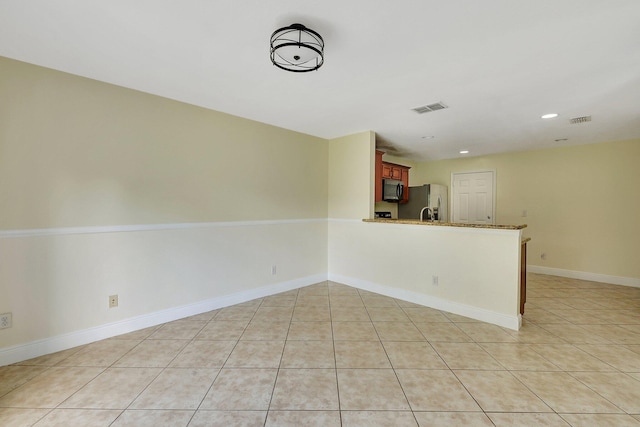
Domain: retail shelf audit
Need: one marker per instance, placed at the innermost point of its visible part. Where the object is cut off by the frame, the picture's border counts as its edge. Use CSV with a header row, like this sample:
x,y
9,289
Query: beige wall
x,y
582,202
77,152
351,176
96,185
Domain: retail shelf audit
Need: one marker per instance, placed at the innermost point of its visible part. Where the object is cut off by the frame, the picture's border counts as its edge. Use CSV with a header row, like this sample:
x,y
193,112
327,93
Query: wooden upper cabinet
x,y
385,170
405,182
378,183
392,171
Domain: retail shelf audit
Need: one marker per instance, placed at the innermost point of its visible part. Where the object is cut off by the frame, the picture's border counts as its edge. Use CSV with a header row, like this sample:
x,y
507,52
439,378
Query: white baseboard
x,y
585,275
38,348
510,322
41,347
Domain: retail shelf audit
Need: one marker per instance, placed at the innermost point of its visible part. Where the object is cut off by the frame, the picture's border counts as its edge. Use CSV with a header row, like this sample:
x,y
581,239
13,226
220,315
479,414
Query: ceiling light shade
x,y
297,48
549,116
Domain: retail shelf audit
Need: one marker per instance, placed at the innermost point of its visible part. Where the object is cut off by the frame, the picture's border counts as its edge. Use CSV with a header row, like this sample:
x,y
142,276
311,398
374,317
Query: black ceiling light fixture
x,y
297,48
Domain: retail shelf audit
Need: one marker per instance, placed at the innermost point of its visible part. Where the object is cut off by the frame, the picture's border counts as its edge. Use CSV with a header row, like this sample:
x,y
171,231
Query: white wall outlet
x,y
434,280
6,320
524,213
274,270
113,301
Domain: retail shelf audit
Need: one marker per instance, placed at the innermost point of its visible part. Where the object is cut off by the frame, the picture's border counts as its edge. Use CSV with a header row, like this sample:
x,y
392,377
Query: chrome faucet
x,y
428,209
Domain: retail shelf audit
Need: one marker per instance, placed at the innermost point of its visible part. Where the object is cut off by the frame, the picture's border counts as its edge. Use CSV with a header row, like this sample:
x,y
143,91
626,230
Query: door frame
x,y
493,179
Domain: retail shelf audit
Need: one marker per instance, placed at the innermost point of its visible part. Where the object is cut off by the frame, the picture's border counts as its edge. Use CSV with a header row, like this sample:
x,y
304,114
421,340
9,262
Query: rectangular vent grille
x,y
429,108
582,119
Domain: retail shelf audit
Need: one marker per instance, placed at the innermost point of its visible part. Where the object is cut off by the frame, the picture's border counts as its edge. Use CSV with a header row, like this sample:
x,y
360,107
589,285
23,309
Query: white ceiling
x,y
498,64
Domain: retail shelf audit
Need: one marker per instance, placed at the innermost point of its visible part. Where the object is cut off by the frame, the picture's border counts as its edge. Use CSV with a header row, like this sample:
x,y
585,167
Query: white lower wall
x,y
477,269
57,282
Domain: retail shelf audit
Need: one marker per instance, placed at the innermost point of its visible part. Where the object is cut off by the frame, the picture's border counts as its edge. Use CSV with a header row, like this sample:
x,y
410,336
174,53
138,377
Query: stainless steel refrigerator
x,y
433,196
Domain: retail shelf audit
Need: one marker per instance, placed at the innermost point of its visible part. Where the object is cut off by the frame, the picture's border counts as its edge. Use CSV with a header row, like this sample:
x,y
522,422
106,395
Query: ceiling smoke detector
x,y
429,108
582,119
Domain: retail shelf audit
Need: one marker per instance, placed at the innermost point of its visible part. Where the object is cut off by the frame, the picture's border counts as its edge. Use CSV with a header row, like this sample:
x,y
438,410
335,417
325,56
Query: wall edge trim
x,y
61,231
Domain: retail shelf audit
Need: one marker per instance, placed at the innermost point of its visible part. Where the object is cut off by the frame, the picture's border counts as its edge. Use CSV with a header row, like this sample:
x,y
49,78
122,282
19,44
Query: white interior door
x,y
472,197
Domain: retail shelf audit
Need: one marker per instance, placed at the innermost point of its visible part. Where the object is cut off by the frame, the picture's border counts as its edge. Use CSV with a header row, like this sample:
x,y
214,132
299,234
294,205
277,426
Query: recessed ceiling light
x,y
464,152
549,116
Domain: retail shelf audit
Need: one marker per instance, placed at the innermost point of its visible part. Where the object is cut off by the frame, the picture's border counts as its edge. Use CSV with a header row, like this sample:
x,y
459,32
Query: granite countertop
x,y
445,224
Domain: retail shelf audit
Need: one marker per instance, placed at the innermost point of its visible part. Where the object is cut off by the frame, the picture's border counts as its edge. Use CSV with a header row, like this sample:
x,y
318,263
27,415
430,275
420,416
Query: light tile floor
x,y
331,355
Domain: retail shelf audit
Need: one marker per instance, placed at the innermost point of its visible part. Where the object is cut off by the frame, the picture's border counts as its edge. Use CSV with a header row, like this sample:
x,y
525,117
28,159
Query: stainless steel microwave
x,y
392,190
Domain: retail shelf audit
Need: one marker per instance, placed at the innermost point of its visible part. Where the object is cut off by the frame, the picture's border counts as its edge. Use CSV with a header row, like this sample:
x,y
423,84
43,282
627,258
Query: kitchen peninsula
x,y
523,243
472,270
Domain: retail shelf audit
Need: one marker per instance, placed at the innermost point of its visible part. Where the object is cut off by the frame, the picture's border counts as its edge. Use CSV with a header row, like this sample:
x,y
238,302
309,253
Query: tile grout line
x,y
335,360
275,381
194,339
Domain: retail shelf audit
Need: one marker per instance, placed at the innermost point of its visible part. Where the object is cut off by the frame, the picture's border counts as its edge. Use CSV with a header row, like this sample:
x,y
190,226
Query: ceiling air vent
x,y
429,108
582,119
